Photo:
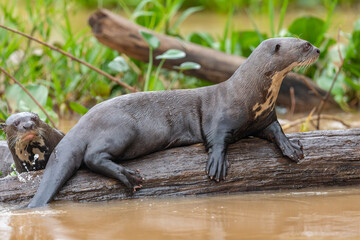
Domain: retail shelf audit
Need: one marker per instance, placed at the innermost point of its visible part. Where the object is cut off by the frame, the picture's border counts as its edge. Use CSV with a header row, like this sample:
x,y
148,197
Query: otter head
x,y
22,124
25,138
283,54
273,59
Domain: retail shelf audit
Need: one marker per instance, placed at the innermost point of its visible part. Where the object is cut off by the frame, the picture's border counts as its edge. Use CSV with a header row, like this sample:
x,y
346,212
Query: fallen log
x,y
332,158
123,35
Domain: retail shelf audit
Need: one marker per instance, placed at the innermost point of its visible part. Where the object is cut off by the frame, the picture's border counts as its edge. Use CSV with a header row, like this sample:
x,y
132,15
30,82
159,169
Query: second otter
x,y
30,140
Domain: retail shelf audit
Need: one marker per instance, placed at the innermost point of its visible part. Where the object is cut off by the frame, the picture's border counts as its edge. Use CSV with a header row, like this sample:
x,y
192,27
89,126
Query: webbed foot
x,y
292,149
216,167
131,179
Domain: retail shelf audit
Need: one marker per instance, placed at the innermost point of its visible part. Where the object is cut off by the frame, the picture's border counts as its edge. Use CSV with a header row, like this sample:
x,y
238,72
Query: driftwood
x,y
331,158
123,35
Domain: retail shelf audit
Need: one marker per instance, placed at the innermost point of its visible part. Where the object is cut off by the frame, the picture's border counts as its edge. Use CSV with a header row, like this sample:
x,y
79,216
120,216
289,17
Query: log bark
x,y
332,158
123,35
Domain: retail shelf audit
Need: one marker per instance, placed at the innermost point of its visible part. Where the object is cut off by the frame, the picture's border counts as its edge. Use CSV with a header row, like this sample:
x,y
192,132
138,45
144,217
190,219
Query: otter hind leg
x,y
102,163
291,149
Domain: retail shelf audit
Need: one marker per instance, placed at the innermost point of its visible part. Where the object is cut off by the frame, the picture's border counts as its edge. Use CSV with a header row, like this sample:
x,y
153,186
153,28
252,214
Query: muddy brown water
x,y
307,214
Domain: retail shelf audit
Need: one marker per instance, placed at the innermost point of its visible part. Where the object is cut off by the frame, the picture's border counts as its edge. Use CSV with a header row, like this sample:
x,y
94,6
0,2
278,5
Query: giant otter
x,y
30,140
136,124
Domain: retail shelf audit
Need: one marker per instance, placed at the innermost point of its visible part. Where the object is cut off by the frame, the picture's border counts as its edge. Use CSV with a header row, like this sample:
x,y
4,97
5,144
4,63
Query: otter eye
x,y
307,47
16,123
277,47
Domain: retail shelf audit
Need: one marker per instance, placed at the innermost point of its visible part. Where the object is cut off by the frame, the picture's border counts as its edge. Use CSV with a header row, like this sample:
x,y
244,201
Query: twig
x,y
326,98
323,117
28,93
125,85
303,78
293,102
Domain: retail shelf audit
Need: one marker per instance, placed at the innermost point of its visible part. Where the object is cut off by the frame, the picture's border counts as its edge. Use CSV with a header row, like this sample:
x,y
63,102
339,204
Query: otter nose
x,y
318,51
28,125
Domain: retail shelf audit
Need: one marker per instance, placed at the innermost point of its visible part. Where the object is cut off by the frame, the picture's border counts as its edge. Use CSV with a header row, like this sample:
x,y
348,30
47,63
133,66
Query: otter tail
x,y
64,161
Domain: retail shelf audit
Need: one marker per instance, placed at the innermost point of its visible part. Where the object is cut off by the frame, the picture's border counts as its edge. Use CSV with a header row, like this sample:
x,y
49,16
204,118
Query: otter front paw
x,y
216,167
293,150
131,179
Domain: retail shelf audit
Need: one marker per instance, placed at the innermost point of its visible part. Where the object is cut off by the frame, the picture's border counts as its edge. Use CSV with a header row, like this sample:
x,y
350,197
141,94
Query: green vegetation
x,y
63,86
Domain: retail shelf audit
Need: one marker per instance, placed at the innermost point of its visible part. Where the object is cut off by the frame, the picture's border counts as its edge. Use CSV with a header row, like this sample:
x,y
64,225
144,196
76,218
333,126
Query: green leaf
x,y
249,40
201,38
119,64
357,25
77,107
142,14
188,66
326,79
172,54
307,28
18,99
153,41
352,83
155,85
100,88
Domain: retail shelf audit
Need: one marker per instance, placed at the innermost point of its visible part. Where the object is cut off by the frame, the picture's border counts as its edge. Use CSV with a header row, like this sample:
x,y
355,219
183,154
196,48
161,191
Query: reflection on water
x,y
312,214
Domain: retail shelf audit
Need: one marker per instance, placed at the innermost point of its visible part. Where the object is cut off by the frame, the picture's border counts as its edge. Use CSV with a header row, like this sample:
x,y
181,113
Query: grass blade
x,y
271,16
185,15
254,25
282,15
226,30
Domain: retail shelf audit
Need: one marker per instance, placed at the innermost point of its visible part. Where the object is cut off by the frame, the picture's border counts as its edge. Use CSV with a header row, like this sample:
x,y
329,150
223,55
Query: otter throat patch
x,y
272,92
26,150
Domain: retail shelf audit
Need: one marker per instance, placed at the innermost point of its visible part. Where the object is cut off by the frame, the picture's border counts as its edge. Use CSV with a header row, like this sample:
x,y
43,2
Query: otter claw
x,y
137,187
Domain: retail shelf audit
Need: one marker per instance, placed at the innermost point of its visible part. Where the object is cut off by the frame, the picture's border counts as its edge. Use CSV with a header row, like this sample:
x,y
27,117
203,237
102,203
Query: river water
x,y
311,214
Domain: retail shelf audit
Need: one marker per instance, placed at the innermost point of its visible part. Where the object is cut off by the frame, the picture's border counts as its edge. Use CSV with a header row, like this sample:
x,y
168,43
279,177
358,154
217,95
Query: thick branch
x,y
123,35
331,158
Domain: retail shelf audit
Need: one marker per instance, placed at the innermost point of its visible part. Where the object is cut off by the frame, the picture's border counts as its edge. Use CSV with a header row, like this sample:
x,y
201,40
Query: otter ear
x,y
277,47
2,126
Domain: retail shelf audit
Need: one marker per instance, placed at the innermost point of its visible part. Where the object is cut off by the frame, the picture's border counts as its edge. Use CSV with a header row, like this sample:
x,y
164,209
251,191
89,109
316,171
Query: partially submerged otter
x,y
30,140
136,124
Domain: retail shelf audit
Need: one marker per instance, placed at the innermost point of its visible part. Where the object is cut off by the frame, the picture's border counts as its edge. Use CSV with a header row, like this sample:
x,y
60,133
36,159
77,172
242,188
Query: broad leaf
x,y
308,28
77,107
119,64
201,38
19,100
172,54
155,85
153,41
188,66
